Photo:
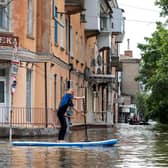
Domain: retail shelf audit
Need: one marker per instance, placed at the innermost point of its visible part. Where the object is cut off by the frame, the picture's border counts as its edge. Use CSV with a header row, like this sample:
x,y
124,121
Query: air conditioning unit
x,y
3,2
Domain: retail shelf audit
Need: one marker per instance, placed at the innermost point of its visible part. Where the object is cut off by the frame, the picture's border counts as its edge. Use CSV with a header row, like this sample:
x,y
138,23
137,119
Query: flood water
x,y
139,147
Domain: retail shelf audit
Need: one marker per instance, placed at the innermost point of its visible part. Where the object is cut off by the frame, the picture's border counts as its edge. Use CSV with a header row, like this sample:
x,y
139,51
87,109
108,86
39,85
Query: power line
x,y
137,7
131,20
142,21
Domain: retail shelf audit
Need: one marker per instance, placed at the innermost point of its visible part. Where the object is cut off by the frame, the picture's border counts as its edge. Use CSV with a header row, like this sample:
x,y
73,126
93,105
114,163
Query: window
x,y
61,86
77,41
3,116
55,25
62,32
28,94
68,34
4,15
2,72
81,47
71,42
30,18
2,91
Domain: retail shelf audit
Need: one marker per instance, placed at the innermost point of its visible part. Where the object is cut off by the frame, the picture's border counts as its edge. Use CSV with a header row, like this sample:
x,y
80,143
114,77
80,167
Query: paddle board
x,y
104,143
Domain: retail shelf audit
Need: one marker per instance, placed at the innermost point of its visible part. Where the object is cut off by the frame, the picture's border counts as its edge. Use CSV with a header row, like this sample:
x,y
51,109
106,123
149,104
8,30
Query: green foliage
x,y
154,73
163,4
141,102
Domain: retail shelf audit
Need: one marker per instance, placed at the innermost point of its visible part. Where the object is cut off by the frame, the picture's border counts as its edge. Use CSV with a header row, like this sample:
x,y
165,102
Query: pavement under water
x,y
139,146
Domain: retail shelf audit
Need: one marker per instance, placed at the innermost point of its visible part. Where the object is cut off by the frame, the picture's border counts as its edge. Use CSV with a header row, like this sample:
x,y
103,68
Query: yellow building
x,y
45,47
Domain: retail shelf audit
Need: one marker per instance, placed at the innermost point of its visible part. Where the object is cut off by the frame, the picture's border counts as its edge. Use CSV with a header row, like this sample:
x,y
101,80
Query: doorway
x,y
3,109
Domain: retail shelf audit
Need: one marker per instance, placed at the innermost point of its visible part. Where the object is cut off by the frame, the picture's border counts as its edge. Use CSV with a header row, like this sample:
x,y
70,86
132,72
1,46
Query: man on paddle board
x,y
66,101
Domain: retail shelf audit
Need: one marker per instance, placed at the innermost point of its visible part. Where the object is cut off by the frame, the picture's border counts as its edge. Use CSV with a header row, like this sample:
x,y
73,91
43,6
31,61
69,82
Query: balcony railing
x,y
100,116
76,2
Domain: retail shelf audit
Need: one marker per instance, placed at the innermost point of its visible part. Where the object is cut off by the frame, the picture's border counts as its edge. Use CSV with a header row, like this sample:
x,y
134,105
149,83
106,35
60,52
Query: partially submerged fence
x,y
32,117
27,117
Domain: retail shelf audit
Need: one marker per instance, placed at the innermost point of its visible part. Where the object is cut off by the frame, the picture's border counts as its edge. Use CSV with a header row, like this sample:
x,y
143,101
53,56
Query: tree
x,y
154,72
141,102
163,4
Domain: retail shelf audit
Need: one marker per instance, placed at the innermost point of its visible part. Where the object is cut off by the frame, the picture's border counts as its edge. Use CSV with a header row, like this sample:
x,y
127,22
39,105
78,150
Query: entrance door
x,y
2,99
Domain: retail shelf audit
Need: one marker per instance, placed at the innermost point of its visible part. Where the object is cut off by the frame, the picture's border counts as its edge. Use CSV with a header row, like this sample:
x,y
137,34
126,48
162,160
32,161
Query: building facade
x,y
129,86
49,46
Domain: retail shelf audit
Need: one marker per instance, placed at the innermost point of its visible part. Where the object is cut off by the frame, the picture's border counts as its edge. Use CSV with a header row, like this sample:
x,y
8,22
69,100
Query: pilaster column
x,y
110,105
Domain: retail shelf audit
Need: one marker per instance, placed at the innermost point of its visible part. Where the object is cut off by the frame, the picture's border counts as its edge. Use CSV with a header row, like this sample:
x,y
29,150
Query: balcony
x,y
74,6
114,61
104,40
118,21
118,24
92,15
119,38
106,24
101,78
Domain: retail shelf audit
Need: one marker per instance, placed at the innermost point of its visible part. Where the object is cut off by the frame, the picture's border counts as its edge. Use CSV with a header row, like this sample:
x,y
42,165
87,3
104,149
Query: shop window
x,y
2,93
2,72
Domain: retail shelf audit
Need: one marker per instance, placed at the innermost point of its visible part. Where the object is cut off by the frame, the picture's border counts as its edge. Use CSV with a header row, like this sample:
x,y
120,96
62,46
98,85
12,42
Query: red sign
x,y
9,40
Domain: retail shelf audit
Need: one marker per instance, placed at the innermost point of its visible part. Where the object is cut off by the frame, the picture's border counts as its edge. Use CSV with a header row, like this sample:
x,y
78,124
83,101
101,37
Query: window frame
x,y
4,21
30,18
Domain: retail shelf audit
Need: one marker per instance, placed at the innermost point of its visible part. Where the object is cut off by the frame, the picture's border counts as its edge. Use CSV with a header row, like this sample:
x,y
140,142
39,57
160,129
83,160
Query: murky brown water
x,y
138,147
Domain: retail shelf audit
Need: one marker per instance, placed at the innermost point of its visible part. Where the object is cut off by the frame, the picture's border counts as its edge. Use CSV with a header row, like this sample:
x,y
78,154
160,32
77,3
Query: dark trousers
x,y
61,117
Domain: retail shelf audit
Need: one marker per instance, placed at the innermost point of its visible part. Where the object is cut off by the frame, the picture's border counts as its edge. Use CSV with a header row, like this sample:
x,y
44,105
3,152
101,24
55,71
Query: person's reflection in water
x,y
65,160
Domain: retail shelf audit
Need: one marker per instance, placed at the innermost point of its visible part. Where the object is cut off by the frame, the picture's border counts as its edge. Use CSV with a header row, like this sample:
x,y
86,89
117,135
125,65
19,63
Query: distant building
x,y
129,86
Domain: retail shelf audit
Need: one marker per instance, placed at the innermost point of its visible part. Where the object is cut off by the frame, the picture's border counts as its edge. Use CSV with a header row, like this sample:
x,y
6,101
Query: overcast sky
x,y
141,16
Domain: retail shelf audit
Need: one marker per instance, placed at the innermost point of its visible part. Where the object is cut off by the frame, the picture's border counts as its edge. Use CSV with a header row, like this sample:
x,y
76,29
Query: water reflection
x,y
63,158
138,147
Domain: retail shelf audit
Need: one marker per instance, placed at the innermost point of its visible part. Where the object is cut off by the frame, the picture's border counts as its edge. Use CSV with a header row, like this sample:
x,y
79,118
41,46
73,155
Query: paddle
x,y
85,112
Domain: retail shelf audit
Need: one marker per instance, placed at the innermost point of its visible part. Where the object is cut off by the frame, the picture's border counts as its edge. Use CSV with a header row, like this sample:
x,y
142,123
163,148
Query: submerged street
x,y
139,146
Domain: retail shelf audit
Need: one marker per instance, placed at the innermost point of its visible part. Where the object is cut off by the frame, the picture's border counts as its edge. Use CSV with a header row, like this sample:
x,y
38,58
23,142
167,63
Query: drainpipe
x,y
110,111
45,86
69,55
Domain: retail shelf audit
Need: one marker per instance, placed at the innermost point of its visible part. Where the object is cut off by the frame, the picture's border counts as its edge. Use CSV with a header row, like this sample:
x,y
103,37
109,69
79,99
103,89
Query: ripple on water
x,y
138,147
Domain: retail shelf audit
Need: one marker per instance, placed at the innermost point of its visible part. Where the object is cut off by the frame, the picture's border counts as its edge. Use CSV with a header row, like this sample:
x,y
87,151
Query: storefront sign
x,y
14,67
9,40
